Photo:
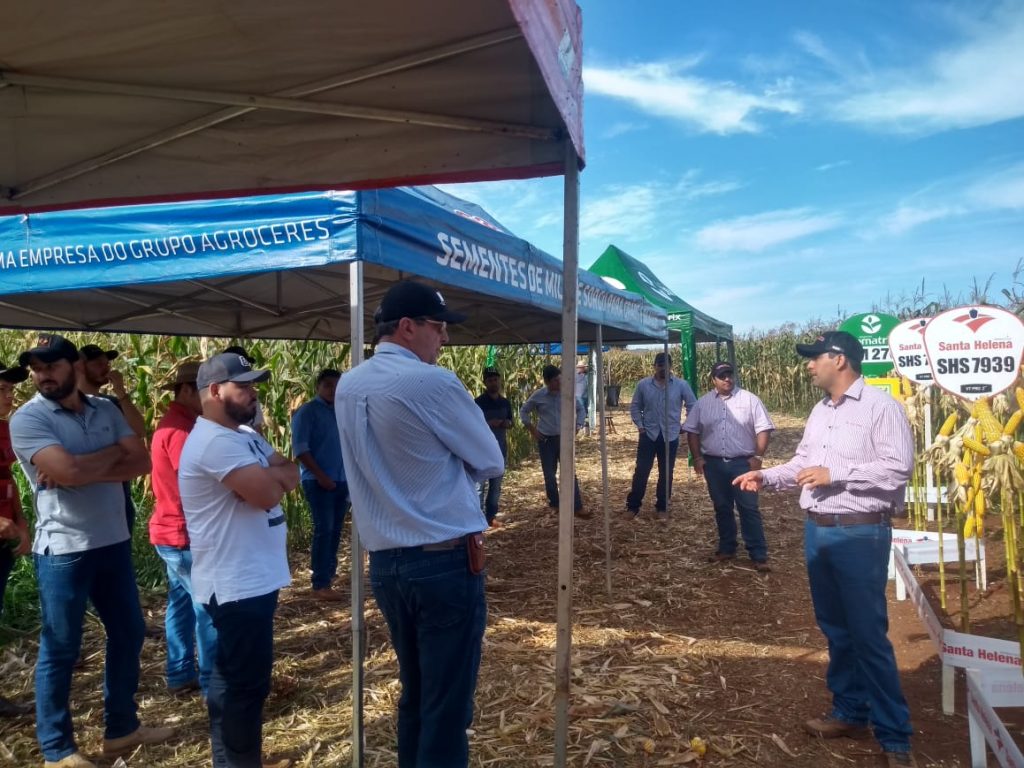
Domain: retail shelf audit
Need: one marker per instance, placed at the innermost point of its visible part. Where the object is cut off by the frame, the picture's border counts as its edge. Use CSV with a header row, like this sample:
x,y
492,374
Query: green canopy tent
x,y
693,326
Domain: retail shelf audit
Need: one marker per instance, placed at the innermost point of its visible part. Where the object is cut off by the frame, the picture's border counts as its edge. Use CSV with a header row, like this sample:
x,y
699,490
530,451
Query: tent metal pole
x,y
667,474
358,337
603,437
567,449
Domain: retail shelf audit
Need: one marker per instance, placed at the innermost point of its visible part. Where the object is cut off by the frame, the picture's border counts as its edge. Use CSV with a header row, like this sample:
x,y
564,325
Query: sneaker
x,y
721,557
831,728
141,735
74,760
899,759
327,595
10,708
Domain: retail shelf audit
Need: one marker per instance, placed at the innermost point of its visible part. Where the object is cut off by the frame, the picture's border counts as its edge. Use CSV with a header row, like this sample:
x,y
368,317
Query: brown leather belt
x,y
444,546
847,518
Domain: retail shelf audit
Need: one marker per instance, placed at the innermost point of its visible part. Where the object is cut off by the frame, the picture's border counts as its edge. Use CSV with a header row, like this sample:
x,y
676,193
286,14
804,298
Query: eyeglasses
x,y
723,376
442,326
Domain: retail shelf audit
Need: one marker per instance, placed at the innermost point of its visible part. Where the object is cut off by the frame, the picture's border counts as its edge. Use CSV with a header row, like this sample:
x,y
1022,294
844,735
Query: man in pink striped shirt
x,y
853,464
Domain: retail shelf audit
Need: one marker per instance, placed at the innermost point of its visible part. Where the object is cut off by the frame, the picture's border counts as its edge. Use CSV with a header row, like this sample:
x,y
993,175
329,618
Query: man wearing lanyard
x,y
728,433
852,464
415,447
648,413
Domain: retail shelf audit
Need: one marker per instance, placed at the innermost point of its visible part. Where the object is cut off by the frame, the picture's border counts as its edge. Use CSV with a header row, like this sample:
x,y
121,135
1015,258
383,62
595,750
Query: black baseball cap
x,y
228,366
718,370
91,352
488,372
13,375
411,299
833,342
49,348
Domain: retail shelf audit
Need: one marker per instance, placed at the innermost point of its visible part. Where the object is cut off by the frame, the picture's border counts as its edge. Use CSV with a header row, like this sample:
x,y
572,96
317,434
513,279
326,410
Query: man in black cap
x,y
498,413
728,432
852,465
655,425
415,447
76,451
232,482
98,373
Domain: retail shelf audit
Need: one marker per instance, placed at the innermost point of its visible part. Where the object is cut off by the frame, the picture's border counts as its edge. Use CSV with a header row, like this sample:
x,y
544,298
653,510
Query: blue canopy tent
x,y
277,266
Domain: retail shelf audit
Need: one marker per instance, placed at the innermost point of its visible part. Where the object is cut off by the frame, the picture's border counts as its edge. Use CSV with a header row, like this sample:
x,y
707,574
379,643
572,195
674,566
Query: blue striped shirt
x,y
648,407
415,445
548,407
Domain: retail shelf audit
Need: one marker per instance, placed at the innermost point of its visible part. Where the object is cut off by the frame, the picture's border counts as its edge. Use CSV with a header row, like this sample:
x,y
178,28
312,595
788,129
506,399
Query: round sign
x,y
906,350
974,351
872,331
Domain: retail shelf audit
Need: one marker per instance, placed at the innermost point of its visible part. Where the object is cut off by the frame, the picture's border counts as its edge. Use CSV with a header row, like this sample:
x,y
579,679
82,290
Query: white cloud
x,y
975,82
908,217
764,230
692,189
1003,190
621,128
620,211
832,166
666,90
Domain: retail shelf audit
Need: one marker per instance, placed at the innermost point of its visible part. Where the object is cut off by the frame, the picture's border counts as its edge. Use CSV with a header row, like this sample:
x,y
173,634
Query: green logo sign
x,y
872,331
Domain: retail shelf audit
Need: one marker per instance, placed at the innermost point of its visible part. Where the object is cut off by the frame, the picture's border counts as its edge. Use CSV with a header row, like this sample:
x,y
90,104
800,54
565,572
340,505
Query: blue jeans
x,y
188,626
847,568
240,682
106,577
436,613
327,509
719,474
646,452
548,449
490,494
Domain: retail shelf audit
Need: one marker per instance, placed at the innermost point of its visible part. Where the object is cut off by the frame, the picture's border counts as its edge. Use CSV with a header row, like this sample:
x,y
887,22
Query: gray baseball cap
x,y
228,366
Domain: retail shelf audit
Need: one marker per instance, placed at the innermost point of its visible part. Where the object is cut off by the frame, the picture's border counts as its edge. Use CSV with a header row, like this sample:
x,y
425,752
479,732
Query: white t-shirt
x,y
238,550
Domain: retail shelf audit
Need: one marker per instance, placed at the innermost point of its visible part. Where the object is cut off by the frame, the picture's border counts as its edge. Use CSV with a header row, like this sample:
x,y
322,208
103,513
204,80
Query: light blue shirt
x,y
315,431
648,407
75,518
415,445
548,407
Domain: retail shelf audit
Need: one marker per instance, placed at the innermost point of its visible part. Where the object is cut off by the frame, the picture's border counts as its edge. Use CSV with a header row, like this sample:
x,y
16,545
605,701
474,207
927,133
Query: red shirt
x,y
167,524
8,488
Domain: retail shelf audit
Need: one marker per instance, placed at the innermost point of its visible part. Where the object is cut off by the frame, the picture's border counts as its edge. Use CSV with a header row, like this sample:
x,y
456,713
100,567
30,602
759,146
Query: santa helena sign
x,y
906,348
974,351
872,331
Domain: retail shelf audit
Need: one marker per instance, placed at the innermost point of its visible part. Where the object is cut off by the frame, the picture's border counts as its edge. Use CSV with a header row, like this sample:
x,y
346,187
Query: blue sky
x,y
785,161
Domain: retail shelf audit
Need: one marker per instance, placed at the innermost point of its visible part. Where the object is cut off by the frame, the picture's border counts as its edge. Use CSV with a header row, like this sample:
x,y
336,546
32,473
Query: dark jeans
x,y
6,566
719,474
240,681
436,613
490,494
327,509
106,577
547,447
187,625
646,451
847,568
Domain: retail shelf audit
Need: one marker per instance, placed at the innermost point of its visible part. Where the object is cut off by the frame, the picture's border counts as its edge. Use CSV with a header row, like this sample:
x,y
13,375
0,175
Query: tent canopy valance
x,y
277,267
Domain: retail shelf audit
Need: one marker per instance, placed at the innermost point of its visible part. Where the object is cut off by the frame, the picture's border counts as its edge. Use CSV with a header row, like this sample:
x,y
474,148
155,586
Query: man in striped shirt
x,y
852,465
415,446
728,432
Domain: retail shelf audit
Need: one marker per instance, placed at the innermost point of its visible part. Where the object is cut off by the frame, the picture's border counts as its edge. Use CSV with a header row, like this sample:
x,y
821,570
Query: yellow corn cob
x,y
1013,422
979,526
976,478
961,473
1018,451
969,526
948,425
991,429
979,504
905,388
979,448
1019,392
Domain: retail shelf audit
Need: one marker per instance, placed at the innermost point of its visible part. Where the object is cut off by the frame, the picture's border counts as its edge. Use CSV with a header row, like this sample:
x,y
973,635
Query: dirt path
x,y
681,649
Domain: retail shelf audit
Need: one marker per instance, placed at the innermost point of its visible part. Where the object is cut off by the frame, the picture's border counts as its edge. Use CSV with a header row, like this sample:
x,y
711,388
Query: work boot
x,y
832,728
141,735
74,760
10,708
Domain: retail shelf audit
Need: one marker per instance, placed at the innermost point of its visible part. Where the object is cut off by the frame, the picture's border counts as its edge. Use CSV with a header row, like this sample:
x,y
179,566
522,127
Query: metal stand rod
x,y
358,619
603,436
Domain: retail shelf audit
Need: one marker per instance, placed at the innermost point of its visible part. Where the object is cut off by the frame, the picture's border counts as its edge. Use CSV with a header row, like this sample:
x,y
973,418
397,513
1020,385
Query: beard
x,y
61,390
240,414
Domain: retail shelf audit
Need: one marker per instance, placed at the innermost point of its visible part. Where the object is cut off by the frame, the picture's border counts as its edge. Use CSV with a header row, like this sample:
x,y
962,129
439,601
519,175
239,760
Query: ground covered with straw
x,y
680,649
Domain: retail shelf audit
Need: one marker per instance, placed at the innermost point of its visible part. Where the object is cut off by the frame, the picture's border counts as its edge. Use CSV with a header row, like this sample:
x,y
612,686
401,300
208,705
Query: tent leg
x,y
664,434
358,619
567,446
603,436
